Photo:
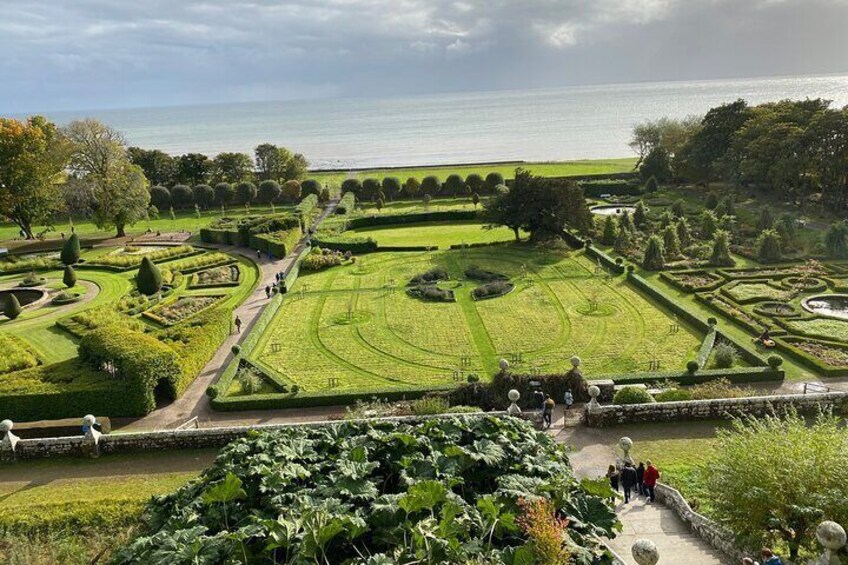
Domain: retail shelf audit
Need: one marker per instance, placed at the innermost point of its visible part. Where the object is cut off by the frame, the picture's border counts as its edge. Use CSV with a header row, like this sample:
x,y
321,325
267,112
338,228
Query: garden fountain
x,y
830,305
612,209
25,296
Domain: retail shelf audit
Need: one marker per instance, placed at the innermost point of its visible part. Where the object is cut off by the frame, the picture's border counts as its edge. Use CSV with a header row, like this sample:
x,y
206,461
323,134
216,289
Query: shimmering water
x,y
534,125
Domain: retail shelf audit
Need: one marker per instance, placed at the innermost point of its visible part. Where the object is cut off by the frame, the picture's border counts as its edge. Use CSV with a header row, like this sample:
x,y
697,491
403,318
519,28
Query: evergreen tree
x,y
653,259
640,216
12,308
765,221
836,241
679,208
768,246
666,219
787,227
652,185
71,250
726,207
727,223
711,201
70,277
609,235
671,243
622,239
626,222
683,233
708,223
721,250
149,279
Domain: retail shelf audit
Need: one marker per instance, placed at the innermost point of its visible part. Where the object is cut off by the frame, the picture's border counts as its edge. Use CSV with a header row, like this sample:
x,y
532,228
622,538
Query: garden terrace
x,y
351,329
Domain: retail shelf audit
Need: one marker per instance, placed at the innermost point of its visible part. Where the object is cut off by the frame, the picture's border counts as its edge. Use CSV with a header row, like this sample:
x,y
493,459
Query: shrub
x,y
433,275
671,243
352,186
720,255
719,388
204,195
391,187
724,356
224,193
683,233
149,278
306,206
711,201
768,246
673,395
269,191
608,235
160,197
69,278
360,492
765,221
632,395
454,185
708,224
310,186
12,308
321,258
431,185
70,250
431,293
726,207
775,361
249,381
181,196
678,209
653,259
291,190
626,222
430,405
836,240
622,239
474,272
640,215
652,185
692,367
371,188
347,204
492,289
493,180
236,349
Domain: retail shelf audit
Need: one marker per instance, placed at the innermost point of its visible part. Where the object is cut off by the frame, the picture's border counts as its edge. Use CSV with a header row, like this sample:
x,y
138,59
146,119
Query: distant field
x,y
546,169
437,234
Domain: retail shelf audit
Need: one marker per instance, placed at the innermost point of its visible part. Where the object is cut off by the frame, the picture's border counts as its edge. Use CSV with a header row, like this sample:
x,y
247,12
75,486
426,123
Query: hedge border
x,y
786,343
671,278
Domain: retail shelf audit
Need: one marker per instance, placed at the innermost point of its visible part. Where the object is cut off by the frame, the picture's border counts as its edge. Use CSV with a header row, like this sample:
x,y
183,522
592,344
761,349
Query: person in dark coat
x,y
640,477
612,475
539,399
629,480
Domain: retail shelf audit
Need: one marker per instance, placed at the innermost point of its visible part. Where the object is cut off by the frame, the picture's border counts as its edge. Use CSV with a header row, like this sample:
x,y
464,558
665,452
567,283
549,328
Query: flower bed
x,y
694,280
181,309
225,275
431,293
127,261
493,289
779,309
754,291
825,328
804,284
65,297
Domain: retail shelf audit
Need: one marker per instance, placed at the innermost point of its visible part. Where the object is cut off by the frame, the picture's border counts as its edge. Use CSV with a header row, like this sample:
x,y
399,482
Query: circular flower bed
x,y
808,284
32,280
65,298
779,309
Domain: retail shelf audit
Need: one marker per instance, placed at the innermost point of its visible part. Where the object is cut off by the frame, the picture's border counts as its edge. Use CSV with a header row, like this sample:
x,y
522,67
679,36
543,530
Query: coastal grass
x,y
357,325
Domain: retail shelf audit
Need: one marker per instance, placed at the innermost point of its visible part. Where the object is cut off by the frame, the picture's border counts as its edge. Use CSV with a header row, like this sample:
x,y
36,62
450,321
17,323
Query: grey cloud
x,y
103,53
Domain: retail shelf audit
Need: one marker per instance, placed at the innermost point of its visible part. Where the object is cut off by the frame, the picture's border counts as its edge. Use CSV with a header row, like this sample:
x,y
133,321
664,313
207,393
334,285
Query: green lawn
x,y
548,169
437,234
348,323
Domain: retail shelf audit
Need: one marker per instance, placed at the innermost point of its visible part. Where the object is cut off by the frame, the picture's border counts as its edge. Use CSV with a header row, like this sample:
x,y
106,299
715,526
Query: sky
x,y
94,54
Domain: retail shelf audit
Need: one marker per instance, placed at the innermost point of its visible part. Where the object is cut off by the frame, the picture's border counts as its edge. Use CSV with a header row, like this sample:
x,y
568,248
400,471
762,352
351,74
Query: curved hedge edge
x,y
671,279
706,347
324,398
785,344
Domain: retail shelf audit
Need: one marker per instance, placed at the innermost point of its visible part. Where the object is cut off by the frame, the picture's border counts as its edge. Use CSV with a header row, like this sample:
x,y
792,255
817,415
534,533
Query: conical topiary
x,y
608,237
12,309
721,250
653,260
640,215
70,277
768,247
671,243
71,250
148,279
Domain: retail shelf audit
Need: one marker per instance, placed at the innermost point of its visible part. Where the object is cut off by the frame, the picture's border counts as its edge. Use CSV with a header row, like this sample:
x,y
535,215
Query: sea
x,y
585,122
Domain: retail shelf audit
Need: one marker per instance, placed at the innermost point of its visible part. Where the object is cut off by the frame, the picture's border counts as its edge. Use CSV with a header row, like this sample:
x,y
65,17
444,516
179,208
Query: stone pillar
x,y
9,441
513,409
832,537
91,440
504,365
593,409
645,552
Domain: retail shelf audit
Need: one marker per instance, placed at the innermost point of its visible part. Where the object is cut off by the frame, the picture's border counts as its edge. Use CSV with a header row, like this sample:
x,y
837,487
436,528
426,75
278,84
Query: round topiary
x,y
149,278
619,261
630,268
775,361
633,395
71,250
12,309
70,277
236,349
692,367
712,321
588,241
473,378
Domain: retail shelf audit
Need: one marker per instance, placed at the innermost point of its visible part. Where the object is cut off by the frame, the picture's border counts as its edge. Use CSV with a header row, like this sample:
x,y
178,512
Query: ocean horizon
x,y
552,124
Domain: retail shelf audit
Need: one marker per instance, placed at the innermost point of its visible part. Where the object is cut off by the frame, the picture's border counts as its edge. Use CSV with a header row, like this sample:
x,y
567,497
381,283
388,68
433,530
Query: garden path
x,y
194,402
677,545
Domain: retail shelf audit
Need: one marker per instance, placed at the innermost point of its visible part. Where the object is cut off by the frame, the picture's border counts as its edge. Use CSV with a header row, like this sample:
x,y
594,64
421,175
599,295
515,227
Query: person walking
x,y
539,399
612,475
629,480
652,475
769,558
258,254
568,399
640,477
548,410
267,291
238,325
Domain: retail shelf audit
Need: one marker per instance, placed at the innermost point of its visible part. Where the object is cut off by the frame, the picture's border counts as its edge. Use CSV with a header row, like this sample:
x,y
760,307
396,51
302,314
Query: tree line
x,y
797,149
390,188
85,169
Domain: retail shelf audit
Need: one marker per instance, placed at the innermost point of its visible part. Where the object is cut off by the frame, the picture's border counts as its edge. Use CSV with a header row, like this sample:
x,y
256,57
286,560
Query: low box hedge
x,y
787,344
738,375
347,204
278,244
195,341
414,218
613,187
358,245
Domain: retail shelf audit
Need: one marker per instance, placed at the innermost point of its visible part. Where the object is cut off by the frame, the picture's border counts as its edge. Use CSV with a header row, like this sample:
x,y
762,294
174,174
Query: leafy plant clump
x,y
724,356
431,293
476,273
632,395
440,491
319,259
492,290
429,277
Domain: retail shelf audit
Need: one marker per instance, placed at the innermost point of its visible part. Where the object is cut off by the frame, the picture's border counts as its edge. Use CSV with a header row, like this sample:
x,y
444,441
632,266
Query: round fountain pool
x,y
612,209
830,305
25,296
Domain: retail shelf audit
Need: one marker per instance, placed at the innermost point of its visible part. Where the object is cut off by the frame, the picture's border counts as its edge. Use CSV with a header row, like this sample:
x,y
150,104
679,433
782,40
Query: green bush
x,y
492,290
149,278
673,395
431,293
632,395
195,341
319,259
430,405
69,278
347,204
428,277
70,250
724,355
12,308
653,259
775,361
768,246
692,367
720,256
836,240
306,206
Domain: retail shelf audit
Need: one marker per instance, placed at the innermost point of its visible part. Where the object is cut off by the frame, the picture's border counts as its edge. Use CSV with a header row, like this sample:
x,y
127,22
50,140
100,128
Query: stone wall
x,y
611,415
79,446
713,534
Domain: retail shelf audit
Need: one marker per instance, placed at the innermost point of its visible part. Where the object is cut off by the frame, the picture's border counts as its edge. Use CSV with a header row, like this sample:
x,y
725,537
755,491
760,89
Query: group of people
x,y
768,558
545,404
641,479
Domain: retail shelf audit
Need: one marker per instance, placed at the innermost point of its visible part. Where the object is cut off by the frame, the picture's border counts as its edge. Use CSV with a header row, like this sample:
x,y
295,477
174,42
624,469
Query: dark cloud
x,y
99,53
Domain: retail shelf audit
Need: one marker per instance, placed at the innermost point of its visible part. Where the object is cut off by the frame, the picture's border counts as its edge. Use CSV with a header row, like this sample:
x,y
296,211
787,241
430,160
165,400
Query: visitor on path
x,y
548,410
652,475
769,558
539,399
267,291
238,325
765,339
749,561
629,480
640,478
258,254
612,475
568,398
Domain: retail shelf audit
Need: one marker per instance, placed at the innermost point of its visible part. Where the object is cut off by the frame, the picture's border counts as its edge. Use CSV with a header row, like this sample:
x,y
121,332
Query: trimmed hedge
x,y
347,204
140,361
195,341
307,206
605,259
739,375
787,345
279,244
414,218
358,245
613,187
237,231
706,348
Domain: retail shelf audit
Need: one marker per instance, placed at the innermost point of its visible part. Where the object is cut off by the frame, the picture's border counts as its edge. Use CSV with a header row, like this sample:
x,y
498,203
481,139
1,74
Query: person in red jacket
x,y
650,479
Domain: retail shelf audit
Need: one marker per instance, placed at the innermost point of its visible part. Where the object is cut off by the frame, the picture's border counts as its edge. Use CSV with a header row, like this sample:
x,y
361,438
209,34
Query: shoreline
x,y
466,164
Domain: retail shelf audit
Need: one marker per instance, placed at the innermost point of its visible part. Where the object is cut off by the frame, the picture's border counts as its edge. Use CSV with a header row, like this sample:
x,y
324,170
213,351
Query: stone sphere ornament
x,y
6,426
832,537
575,361
514,395
504,364
645,552
594,392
